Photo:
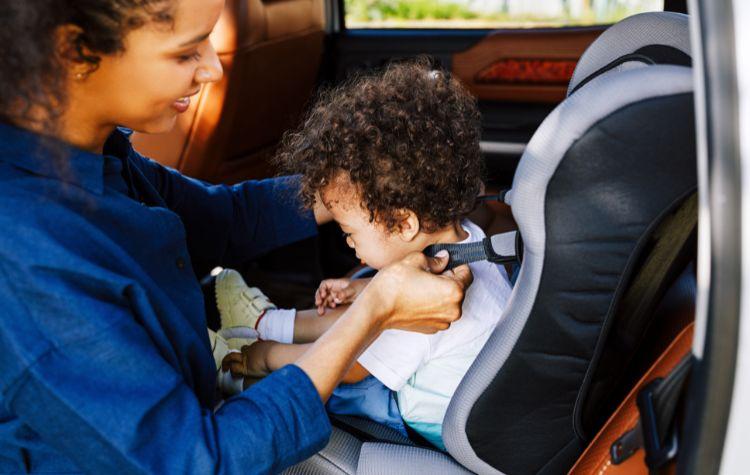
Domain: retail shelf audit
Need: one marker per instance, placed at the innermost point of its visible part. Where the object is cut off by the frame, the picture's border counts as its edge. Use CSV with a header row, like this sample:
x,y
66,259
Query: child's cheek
x,y
373,255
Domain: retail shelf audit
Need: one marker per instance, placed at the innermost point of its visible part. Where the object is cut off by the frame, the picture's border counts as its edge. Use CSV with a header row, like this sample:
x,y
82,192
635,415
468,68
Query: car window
x,y
490,14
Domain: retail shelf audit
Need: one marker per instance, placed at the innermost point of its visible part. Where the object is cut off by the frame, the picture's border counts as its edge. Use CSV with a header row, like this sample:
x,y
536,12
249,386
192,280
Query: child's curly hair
x,y
407,138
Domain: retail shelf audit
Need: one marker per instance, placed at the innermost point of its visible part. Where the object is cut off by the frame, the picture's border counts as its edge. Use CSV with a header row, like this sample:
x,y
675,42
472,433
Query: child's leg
x,y
242,306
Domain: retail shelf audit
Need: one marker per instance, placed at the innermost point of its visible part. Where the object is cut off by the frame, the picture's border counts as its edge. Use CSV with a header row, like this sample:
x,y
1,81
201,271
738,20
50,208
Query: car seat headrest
x,y
595,179
637,41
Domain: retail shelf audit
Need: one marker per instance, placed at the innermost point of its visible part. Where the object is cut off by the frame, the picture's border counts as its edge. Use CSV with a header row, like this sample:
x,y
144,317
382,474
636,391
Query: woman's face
x,y
145,87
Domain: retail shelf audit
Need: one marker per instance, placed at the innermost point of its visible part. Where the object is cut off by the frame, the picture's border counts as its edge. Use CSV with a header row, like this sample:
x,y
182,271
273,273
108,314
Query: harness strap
x,y
501,249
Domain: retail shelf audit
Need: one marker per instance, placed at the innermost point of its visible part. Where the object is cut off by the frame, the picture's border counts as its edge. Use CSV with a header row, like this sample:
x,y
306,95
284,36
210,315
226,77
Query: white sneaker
x,y
240,308
227,384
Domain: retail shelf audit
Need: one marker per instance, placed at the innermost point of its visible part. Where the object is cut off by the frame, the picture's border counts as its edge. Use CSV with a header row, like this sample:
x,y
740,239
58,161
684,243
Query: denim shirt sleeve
x,y
111,404
79,369
227,225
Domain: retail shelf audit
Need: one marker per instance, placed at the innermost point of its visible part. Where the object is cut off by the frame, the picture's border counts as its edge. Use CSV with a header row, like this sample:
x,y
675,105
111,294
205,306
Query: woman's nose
x,y
210,69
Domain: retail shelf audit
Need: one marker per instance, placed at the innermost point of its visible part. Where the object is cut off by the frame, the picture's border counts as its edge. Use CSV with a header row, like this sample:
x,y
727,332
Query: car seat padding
x,y
647,55
672,249
630,35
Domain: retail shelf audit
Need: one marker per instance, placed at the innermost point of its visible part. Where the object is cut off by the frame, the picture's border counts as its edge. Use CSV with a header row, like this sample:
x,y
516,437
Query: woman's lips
x,y
181,104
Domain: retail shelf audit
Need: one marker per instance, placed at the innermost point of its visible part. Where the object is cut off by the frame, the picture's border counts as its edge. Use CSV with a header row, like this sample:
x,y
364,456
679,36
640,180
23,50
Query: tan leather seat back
x,y
271,52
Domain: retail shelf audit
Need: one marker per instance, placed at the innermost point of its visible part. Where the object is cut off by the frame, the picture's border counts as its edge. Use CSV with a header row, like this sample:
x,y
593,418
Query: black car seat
x,y
602,174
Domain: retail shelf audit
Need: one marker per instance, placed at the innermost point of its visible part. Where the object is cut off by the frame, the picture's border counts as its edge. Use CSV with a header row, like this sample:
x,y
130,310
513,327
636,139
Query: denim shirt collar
x,y
51,158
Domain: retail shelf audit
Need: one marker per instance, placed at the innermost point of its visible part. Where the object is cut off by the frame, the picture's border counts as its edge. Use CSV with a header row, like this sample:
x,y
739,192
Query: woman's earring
x,y
80,76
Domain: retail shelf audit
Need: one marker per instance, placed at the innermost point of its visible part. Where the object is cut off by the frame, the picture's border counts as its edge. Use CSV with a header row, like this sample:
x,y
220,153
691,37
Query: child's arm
x,y
332,299
263,357
334,292
308,325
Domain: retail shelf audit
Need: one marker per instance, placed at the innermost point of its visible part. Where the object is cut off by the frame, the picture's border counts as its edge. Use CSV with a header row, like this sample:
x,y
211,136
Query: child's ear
x,y
408,227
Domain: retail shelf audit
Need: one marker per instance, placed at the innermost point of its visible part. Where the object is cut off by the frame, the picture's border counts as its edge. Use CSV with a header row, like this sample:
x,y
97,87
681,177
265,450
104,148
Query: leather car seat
x,y
271,52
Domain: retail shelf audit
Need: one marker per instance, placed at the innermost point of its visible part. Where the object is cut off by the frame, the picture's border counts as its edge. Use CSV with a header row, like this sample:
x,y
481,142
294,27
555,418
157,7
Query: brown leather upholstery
x,y
271,52
596,459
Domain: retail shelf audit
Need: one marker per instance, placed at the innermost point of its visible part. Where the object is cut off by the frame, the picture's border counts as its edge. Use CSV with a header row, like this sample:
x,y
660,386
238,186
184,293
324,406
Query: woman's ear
x,y
409,226
79,61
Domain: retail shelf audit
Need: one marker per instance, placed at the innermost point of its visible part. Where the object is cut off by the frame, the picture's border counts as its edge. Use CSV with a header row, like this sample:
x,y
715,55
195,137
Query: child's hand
x,y
333,292
251,361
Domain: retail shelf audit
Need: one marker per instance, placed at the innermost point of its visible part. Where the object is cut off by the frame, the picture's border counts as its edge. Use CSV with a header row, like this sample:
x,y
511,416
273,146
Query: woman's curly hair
x,y
32,71
407,138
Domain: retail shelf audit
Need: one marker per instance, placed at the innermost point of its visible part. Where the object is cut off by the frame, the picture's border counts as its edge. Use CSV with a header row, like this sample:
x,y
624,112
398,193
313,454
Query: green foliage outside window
x,y
490,13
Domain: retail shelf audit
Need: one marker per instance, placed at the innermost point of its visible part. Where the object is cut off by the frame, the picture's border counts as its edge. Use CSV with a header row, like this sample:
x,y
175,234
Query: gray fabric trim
x,y
339,457
389,459
629,35
566,124
504,243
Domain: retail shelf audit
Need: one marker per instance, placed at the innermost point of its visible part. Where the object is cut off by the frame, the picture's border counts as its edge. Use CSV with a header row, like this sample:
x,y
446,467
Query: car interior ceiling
x,y
232,130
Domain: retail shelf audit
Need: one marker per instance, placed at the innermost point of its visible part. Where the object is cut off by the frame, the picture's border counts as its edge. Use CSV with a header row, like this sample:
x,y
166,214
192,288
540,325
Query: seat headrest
x,y
637,41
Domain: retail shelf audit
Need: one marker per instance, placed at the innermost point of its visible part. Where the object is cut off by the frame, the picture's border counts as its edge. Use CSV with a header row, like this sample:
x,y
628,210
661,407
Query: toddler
x,y
395,158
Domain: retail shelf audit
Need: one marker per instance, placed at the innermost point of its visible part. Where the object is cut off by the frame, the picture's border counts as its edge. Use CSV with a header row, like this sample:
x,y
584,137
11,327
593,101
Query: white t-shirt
x,y
425,370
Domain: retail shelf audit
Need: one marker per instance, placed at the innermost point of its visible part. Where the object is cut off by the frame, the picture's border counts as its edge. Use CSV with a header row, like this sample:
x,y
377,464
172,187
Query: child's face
x,y
372,242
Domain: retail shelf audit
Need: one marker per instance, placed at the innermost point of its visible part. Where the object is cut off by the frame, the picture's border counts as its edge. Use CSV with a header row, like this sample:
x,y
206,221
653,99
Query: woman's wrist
x,y
373,304
331,356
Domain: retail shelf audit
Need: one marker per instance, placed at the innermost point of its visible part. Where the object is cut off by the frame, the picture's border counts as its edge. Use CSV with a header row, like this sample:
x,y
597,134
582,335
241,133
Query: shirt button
x,y
180,263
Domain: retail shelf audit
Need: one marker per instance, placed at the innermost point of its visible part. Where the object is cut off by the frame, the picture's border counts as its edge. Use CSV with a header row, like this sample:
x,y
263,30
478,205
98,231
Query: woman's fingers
x,y
462,275
417,299
436,264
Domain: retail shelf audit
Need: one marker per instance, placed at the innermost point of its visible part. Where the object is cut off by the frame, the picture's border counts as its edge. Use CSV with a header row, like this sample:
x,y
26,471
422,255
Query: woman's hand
x,y
333,292
408,295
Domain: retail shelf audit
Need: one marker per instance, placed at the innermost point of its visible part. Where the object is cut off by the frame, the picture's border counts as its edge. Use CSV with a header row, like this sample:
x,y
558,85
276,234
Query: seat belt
x,y
649,410
655,432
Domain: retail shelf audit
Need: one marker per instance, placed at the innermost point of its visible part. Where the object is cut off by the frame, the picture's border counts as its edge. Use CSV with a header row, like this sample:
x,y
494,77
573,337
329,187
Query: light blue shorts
x,y
368,398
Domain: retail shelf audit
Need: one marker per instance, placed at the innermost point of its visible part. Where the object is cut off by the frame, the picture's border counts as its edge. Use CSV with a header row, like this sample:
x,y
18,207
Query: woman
x,y
105,364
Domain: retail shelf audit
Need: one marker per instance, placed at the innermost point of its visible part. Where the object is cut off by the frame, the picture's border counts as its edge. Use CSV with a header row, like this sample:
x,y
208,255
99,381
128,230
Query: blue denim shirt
x,y
105,365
